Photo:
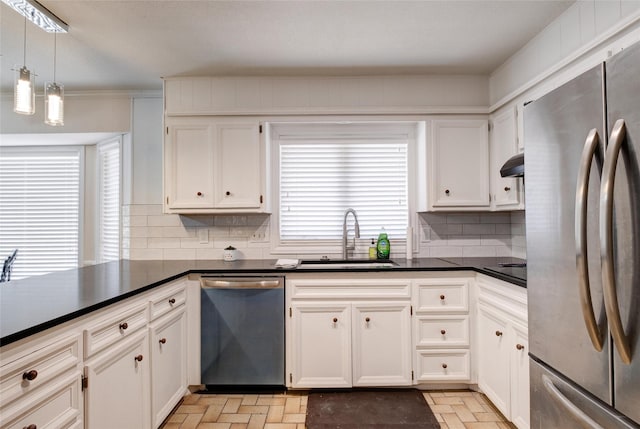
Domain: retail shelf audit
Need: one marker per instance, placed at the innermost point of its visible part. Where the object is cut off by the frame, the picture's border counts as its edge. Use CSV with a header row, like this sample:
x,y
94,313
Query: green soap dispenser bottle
x,y
384,247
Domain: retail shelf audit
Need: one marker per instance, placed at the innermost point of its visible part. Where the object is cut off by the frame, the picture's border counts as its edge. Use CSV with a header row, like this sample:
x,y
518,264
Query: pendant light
x,y
24,96
54,96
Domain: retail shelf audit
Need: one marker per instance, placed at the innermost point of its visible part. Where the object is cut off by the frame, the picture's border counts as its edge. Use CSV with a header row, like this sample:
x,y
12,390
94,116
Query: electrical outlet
x,y
258,236
203,235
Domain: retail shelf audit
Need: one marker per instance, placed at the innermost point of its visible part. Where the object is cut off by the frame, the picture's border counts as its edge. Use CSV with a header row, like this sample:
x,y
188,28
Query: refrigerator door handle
x,y
582,190
568,405
618,135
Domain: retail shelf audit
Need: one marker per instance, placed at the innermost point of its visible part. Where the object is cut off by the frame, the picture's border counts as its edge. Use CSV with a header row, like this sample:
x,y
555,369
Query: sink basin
x,y
340,264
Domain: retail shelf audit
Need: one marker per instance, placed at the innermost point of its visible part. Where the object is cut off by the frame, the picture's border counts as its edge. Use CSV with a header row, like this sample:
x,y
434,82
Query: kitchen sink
x,y
340,264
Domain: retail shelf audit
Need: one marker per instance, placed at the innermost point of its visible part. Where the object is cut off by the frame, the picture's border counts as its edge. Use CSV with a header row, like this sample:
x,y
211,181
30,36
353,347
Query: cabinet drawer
x,y
442,365
442,331
443,295
38,367
164,302
108,330
56,405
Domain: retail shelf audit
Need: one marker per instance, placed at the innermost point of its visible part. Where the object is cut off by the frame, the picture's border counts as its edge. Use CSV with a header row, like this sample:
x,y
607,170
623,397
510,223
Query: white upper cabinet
x,y
239,169
505,191
213,167
189,164
458,165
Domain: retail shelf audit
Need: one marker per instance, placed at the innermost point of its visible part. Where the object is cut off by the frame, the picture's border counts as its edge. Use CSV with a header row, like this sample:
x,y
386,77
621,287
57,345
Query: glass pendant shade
x,y
24,95
54,104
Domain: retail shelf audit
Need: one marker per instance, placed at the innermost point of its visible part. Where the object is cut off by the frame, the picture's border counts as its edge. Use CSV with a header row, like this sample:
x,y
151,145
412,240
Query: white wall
x,y
82,114
585,28
146,150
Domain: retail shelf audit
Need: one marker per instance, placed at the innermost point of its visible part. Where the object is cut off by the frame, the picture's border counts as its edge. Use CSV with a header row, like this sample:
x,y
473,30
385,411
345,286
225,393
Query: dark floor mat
x,y
359,409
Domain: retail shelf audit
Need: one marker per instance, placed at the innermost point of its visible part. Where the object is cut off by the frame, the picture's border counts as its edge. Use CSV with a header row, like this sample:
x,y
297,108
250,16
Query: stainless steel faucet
x,y
345,248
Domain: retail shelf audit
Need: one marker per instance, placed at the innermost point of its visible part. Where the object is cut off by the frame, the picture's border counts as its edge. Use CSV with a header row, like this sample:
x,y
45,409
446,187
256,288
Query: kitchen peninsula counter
x,y
31,305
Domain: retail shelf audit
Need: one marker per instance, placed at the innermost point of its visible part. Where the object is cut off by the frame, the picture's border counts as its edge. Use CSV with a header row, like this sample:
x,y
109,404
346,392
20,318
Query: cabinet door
x,y
493,358
321,345
117,395
168,364
381,344
239,172
504,144
459,163
189,164
520,377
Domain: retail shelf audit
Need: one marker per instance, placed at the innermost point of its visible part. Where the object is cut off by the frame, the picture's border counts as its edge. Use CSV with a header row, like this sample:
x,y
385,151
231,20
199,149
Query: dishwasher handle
x,y
209,283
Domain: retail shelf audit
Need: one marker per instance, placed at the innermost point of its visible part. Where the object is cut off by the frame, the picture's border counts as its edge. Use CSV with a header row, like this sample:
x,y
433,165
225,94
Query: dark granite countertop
x,y
37,303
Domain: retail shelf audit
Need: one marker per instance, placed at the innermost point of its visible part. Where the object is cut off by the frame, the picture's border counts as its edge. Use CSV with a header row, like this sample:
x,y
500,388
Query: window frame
x,y
411,130
101,146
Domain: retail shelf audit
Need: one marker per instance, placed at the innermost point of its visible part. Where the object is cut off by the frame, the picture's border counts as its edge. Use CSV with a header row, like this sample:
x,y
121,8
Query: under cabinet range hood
x,y
514,167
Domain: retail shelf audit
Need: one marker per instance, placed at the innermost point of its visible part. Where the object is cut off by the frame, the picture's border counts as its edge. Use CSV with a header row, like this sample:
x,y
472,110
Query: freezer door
x,y
556,127
623,94
558,403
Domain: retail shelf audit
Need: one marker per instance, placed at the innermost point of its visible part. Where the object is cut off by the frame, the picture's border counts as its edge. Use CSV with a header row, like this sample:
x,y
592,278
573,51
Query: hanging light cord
x,y
24,57
55,34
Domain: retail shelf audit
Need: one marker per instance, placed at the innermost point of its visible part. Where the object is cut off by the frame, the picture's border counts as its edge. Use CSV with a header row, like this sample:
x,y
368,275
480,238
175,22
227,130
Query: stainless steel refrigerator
x,y
582,178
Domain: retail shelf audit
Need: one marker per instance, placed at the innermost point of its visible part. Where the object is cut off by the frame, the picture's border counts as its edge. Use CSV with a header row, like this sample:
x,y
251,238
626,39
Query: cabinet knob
x,y
498,333
507,189
444,365
30,375
172,301
335,320
442,331
519,346
199,194
162,341
442,297
31,426
446,191
367,319
124,325
227,193
138,358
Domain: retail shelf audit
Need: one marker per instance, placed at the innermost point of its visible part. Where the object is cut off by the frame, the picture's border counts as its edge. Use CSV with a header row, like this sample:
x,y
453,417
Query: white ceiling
x,y
130,45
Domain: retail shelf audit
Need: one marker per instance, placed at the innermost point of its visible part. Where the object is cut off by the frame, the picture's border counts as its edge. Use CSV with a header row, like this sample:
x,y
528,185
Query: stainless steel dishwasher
x,y
242,332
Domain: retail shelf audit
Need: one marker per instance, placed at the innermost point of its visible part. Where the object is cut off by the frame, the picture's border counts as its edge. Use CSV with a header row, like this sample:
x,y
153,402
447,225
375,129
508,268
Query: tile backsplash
x,y
147,233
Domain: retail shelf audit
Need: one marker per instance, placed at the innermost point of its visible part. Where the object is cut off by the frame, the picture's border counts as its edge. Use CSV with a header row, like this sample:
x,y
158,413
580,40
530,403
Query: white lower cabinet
x,y
503,362
322,345
117,395
361,337
381,344
168,364
441,330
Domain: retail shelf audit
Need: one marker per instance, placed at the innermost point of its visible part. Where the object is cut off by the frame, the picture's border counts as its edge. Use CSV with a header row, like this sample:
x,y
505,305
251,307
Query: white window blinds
x,y
109,201
40,208
321,178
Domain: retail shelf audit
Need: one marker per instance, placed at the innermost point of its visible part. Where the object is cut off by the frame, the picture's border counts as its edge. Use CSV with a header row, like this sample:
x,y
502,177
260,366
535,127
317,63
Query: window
x,y
108,158
40,208
323,169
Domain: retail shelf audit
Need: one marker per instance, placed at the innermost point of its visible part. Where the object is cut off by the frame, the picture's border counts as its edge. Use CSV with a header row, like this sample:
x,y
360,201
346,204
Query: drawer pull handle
x,y
498,333
162,341
442,297
367,320
335,320
31,426
172,301
138,358
444,365
442,331
519,346
124,325
507,189
30,375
